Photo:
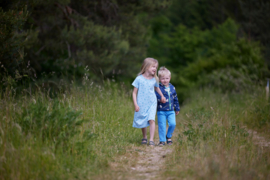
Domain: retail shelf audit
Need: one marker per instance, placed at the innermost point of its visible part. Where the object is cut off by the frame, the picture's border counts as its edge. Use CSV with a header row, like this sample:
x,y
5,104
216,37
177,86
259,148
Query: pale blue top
x,y
146,100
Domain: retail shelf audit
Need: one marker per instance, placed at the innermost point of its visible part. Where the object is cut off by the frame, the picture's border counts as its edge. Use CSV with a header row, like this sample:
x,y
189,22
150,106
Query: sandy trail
x,y
142,162
257,139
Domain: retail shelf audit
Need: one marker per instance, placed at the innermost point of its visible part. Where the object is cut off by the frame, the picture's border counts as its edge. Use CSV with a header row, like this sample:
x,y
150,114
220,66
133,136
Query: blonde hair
x,y
163,71
146,64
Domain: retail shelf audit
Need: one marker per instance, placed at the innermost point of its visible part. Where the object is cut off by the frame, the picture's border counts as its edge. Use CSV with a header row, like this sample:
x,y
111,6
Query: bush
x,y
54,122
214,58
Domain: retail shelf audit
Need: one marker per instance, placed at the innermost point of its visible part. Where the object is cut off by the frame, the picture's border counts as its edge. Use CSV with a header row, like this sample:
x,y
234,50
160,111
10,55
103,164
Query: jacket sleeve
x,y
158,96
176,103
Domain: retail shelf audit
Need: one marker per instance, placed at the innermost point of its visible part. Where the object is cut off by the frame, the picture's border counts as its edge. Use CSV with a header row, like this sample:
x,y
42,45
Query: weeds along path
x,y
142,162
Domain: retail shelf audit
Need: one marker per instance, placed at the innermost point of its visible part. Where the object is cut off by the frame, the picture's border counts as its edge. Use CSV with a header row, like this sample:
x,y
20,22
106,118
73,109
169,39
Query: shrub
x,y
53,121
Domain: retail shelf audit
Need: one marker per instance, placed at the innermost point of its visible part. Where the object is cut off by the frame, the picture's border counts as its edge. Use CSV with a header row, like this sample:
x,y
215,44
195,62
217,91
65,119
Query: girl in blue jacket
x,y
168,110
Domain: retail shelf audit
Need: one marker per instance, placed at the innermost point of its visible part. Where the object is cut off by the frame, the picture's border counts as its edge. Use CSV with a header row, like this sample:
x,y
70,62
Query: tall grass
x,y
74,132
214,142
67,134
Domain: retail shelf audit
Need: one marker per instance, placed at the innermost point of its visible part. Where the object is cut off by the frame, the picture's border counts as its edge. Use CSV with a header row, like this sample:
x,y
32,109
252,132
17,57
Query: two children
x,y
145,102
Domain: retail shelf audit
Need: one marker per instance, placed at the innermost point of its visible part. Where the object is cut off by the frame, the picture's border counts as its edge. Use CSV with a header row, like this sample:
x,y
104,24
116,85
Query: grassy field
x,y
215,140
66,135
75,132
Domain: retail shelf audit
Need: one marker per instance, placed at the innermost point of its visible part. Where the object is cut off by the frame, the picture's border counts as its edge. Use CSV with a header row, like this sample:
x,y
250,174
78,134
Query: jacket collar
x,y
164,86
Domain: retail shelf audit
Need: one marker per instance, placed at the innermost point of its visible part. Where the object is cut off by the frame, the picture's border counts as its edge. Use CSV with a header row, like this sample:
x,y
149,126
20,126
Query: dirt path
x,y
150,162
257,139
142,162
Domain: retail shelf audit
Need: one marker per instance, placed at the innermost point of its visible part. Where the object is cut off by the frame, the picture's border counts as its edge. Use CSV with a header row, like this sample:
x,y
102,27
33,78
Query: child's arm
x,y
158,96
176,103
134,96
163,99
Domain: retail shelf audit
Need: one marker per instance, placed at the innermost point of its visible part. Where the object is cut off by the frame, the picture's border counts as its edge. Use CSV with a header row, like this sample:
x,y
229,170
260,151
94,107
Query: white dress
x,y
146,100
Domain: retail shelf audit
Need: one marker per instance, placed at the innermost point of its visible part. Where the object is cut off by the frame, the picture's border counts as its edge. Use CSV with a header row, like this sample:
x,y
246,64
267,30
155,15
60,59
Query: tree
x,y
12,40
108,36
255,22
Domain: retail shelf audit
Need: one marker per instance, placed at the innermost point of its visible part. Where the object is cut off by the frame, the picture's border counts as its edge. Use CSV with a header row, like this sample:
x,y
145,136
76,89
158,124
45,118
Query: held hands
x,y
137,108
163,99
176,112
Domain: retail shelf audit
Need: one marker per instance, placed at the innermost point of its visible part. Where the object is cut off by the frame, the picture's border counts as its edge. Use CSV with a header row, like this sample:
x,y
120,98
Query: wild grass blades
x,y
214,143
71,134
257,116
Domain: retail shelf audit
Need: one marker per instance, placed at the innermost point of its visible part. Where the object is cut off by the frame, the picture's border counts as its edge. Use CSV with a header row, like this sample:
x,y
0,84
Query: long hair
x,y
146,64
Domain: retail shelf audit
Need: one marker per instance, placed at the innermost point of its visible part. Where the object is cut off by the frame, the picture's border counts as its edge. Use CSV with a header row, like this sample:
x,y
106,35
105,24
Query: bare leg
x,y
144,133
152,129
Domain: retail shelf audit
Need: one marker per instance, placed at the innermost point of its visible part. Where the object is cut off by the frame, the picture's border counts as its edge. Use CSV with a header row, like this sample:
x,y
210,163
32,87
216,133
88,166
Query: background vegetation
x,y
61,118
197,40
216,140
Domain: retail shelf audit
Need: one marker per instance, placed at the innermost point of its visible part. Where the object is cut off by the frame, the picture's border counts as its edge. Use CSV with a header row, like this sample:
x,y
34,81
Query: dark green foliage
x,y
203,14
197,40
12,40
235,55
255,22
215,57
182,45
251,15
233,67
56,123
203,46
65,36
108,36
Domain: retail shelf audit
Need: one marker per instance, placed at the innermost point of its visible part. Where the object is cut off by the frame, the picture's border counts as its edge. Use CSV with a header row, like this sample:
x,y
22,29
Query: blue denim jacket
x,y
173,96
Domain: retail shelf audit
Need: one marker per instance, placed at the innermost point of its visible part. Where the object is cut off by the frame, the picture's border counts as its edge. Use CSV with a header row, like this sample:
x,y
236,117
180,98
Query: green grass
x,y
75,132
69,134
214,142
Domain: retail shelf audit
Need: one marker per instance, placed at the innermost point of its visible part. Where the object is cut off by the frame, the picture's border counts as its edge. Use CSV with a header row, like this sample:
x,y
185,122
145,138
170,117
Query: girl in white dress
x,y
144,99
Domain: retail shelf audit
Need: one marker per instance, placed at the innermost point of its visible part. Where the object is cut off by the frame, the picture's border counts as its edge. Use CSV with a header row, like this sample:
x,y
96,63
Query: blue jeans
x,y
162,117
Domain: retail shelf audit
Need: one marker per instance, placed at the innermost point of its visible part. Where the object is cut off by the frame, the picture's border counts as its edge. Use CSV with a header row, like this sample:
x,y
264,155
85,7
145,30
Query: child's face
x,y
152,69
165,80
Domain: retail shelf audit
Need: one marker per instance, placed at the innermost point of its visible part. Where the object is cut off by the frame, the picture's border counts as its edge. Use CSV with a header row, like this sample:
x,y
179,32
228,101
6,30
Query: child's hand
x,y
176,112
163,99
137,108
